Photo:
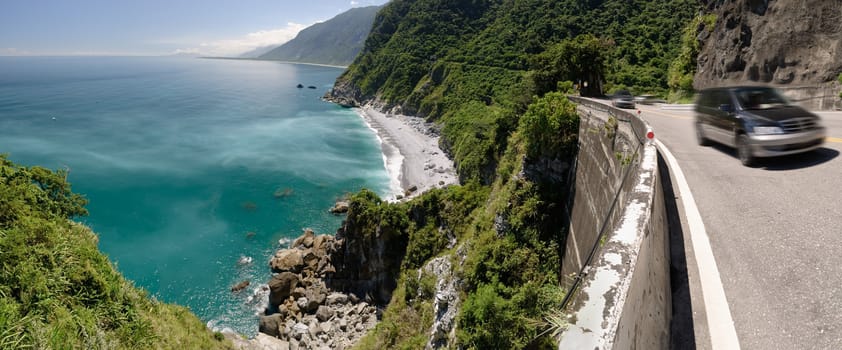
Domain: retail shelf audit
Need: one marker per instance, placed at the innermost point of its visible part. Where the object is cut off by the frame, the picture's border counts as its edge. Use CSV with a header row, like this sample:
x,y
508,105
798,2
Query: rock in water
x,y
283,192
240,286
341,207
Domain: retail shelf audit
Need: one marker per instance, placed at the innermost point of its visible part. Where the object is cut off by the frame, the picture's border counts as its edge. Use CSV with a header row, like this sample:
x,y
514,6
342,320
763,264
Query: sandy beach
x,y
411,152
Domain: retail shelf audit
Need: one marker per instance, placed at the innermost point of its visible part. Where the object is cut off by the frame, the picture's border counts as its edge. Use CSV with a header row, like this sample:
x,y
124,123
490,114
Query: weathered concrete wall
x,y
623,299
599,177
817,98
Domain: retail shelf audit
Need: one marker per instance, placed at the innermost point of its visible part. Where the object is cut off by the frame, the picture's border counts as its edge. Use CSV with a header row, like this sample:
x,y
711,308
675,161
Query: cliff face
x,y
789,43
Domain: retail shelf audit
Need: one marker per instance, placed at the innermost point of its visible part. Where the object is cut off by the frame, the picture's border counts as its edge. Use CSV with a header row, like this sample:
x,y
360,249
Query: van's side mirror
x,y
726,108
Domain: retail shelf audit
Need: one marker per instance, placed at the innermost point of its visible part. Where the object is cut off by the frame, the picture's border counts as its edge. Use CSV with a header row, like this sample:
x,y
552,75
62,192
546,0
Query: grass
x,y
57,291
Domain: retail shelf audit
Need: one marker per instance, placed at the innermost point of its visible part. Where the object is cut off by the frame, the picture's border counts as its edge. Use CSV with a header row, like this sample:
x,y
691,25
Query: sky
x,y
157,27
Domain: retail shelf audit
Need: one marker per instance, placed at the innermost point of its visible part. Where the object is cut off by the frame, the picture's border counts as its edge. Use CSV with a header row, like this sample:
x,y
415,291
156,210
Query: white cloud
x,y
251,41
11,51
355,3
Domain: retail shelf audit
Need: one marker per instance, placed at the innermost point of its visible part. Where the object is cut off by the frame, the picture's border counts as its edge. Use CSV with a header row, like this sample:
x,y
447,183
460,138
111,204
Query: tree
x,y
683,68
581,59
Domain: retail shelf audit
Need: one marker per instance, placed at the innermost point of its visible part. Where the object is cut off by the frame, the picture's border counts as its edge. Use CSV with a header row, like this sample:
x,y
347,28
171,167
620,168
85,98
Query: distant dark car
x,y
648,99
622,99
757,121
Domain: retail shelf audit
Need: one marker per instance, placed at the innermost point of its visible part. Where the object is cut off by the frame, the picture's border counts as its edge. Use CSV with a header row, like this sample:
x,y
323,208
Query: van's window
x,y
704,99
760,98
721,97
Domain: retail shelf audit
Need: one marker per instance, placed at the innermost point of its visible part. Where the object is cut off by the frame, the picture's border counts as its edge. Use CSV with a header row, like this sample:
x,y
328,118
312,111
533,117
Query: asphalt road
x,y
775,231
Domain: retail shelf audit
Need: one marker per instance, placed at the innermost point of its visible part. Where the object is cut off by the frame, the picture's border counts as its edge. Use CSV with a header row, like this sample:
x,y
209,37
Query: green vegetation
x,y
474,66
492,74
335,41
683,68
57,291
583,57
413,38
512,230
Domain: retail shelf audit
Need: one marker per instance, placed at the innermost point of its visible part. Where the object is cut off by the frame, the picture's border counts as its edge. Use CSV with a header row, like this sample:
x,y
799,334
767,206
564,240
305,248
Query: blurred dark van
x,y
756,120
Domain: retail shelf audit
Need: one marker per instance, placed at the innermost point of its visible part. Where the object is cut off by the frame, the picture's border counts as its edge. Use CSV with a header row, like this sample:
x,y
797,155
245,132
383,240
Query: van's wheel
x,y
700,136
744,150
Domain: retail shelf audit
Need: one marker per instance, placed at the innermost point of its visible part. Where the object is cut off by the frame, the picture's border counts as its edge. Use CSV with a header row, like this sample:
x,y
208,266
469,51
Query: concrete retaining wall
x,y
816,98
622,298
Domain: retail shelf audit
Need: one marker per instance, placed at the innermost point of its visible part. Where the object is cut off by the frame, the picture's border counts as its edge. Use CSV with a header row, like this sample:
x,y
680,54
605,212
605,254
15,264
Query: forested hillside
x,y
336,41
492,74
57,291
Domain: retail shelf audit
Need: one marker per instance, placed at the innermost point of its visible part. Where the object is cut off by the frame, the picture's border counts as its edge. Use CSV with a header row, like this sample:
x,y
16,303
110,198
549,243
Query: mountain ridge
x,y
335,42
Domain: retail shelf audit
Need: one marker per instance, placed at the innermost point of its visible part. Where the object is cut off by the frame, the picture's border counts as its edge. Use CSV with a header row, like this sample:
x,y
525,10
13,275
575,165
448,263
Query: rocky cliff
x,y
795,44
304,310
328,291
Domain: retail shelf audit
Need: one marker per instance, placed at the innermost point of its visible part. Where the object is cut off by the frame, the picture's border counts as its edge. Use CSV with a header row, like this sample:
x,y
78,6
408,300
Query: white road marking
x,y
723,335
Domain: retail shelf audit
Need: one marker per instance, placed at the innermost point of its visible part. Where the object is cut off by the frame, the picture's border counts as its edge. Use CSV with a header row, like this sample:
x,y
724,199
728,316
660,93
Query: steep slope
x,y
431,58
57,291
492,73
789,43
336,41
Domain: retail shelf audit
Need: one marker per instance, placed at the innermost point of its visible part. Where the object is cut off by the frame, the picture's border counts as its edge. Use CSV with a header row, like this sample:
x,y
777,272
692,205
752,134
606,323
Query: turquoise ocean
x,y
191,166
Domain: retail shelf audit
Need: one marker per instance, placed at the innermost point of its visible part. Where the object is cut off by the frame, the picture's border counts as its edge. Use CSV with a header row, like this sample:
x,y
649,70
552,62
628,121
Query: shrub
x,y
58,291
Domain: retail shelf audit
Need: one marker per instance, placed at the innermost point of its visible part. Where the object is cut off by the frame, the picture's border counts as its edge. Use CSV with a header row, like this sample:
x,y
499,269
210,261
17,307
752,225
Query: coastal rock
x,y
271,343
299,330
310,315
298,293
271,325
345,93
337,298
324,313
302,299
281,286
367,264
240,286
314,328
353,298
341,207
290,260
306,240
311,260
302,303
316,295
282,192
320,245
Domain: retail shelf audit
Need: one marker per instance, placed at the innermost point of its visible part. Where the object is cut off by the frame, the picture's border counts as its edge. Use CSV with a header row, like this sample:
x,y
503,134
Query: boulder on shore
x,y
304,311
287,260
341,207
281,287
